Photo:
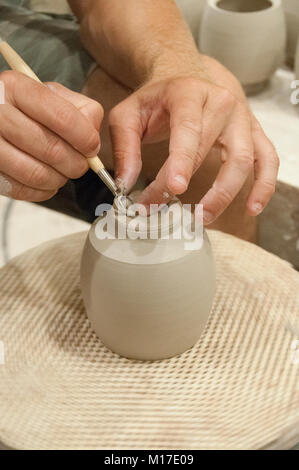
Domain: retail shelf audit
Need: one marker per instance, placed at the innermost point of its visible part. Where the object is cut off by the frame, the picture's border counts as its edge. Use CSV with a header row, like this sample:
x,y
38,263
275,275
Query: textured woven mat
x,y
60,388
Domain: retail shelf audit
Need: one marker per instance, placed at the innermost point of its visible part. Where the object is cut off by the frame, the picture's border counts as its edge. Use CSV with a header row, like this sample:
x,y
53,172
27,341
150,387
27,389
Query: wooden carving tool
x,y
17,63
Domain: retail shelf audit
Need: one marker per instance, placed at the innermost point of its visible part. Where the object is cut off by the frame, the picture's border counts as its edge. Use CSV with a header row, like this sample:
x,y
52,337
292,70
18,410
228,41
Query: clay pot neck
x,y
244,6
162,220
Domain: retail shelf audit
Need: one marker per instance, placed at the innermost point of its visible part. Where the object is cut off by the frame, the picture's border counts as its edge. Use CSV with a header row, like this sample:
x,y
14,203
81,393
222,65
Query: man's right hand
x,y
46,133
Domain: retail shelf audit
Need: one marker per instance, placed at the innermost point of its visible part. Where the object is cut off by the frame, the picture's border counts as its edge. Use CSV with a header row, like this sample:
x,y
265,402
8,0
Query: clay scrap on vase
x,y
247,36
147,298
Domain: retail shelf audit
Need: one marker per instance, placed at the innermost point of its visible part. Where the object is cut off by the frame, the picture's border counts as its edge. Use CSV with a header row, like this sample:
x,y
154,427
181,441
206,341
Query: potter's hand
x,y
195,111
44,139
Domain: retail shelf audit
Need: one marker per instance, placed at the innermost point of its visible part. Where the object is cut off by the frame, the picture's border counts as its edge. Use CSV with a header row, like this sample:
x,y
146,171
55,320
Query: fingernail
x,y
181,180
208,217
257,208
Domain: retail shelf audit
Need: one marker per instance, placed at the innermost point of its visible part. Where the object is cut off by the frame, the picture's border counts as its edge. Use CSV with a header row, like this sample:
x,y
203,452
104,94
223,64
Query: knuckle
x,y
245,159
124,160
191,125
198,160
19,191
121,155
226,99
95,113
190,159
186,82
92,141
223,195
54,152
8,77
173,86
38,178
269,186
192,82
64,118
127,116
23,193
186,155
183,88
5,115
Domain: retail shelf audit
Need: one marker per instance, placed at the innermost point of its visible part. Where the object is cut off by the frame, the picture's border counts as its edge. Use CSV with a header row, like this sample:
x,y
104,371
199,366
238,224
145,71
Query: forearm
x,y
136,39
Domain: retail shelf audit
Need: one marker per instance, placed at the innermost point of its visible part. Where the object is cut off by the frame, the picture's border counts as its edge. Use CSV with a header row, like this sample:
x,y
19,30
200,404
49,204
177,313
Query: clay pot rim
x,y
151,225
275,4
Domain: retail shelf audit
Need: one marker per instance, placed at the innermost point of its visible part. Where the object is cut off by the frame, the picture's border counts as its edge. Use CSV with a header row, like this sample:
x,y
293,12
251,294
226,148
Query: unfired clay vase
x,y
147,299
192,12
297,61
291,9
247,36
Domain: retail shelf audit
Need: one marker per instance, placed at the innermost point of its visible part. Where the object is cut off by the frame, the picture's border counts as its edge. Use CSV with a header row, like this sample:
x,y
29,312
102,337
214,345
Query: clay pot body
x,y
247,36
297,61
147,299
291,9
192,11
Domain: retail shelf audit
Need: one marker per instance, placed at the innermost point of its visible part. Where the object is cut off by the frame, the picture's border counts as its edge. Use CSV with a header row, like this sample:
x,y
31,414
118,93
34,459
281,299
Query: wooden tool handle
x,y
17,63
95,164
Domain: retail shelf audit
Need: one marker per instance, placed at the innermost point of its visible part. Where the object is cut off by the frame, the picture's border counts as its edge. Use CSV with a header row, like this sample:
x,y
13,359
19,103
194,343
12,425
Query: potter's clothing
x,y
51,45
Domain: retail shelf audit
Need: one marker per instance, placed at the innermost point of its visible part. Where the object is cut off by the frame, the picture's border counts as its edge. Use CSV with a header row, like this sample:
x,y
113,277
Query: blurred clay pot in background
x,y
291,9
192,11
146,298
247,36
297,61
